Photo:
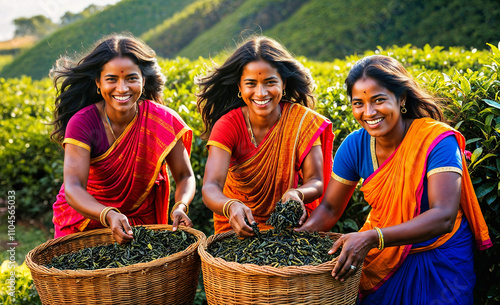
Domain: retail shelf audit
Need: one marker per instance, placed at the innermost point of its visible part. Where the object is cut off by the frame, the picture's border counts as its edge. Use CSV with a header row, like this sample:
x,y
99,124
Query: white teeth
x,y
375,121
122,98
261,102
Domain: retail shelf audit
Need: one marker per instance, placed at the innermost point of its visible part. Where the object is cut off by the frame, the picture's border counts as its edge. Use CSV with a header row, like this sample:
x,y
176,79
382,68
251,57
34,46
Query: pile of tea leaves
x,y
286,215
275,248
146,246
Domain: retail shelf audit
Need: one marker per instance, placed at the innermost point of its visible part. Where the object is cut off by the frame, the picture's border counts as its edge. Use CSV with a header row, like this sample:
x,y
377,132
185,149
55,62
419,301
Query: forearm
x,y
430,224
323,218
185,189
214,198
84,203
311,190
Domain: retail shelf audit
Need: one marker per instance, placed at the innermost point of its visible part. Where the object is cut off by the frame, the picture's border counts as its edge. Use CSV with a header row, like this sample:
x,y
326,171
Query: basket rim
x,y
253,269
42,270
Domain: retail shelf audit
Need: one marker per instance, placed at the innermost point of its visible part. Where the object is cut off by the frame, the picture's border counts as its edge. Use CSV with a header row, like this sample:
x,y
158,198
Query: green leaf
x,y
488,120
472,140
492,103
483,158
477,152
465,85
457,126
491,198
351,224
484,189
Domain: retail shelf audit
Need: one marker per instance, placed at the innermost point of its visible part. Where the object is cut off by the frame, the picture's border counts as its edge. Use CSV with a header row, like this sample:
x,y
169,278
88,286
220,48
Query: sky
x,y
53,9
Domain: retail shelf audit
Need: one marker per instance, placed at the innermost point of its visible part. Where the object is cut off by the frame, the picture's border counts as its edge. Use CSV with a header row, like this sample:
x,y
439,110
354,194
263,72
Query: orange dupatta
x,y
127,173
394,192
261,180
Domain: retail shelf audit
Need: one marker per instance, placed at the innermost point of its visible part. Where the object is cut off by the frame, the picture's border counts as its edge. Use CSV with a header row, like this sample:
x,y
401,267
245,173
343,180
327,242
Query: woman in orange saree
x,y
265,144
118,140
416,246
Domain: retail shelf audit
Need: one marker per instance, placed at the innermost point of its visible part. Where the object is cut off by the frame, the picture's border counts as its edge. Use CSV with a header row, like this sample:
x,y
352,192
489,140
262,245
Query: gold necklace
x,y
252,137
109,123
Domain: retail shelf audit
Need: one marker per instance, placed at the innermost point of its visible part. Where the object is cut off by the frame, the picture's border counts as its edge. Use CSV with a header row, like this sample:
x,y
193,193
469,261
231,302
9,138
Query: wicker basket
x,y
169,280
234,283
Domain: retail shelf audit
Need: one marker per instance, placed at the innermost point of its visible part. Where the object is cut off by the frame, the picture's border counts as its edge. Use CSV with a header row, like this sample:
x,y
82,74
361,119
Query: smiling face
x,y
261,88
376,108
121,84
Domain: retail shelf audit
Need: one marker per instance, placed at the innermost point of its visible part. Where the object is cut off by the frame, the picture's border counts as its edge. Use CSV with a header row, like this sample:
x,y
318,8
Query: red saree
x,y
131,174
394,192
260,180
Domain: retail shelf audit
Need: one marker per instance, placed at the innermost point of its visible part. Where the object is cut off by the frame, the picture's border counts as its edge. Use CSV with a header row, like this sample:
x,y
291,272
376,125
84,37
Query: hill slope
x,y
134,16
317,29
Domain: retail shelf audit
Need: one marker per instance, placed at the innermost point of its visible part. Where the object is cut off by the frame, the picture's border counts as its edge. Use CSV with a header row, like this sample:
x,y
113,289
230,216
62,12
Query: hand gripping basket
x,y
169,280
234,283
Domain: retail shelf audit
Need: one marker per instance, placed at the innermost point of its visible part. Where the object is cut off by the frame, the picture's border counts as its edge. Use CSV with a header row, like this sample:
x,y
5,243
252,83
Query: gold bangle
x,y
227,205
381,244
293,189
104,213
176,205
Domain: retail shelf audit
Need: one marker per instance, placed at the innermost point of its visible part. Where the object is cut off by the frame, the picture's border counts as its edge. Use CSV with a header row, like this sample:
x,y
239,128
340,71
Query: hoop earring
x,y
403,109
284,92
239,94
98,90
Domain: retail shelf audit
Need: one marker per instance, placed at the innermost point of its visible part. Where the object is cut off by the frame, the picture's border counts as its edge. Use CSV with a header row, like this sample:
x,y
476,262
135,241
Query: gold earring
x,y
239,94
403,109
284,92
98,90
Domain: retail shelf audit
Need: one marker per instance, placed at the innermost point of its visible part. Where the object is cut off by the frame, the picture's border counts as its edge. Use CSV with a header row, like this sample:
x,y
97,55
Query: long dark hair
x,y
219,89
390,74
75,82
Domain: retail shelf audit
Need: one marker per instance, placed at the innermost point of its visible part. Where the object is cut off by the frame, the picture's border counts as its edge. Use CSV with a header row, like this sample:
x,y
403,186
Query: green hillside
x,y
175,33
317,29
134,16
253,16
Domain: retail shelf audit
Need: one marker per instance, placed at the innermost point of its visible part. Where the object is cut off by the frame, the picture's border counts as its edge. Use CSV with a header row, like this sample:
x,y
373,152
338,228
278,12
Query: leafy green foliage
x,y
469,80
25,292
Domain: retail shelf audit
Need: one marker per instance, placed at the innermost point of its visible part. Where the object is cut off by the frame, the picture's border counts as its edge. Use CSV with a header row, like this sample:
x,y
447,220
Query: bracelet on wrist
x,y
381,243
104,213
176,205
294,189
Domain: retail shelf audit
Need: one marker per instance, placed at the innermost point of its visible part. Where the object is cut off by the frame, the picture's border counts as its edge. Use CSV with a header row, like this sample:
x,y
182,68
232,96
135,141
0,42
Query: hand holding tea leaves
x,y
122,232
297,196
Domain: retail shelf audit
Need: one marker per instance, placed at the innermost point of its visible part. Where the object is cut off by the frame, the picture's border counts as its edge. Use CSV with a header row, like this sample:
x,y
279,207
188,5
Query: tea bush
x,y
32,165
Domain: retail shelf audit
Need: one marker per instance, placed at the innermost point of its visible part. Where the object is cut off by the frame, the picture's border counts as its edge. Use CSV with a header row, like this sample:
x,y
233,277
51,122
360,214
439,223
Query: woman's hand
x,y
122,232
355,247
238,212
296,195
179,217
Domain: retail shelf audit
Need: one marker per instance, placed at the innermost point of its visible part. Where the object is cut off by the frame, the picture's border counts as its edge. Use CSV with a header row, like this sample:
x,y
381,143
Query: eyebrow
x,y
373,97
269,78
114,75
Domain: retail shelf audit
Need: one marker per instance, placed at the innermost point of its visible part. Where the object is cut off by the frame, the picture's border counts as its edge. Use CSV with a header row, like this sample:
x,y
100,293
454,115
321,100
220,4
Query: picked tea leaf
x,y
286,215
277,248
255,228
146,246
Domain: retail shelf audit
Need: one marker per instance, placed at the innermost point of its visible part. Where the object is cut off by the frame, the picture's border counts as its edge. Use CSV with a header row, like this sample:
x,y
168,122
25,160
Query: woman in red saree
x,y
416,246
265,144
118,139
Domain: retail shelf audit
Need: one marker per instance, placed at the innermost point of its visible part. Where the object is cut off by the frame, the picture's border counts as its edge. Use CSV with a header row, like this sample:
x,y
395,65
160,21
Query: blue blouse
x,y
355,159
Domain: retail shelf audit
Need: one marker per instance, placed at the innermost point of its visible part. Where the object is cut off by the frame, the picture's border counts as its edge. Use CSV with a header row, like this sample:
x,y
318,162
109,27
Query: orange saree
x,y
394,192
260,180
131,175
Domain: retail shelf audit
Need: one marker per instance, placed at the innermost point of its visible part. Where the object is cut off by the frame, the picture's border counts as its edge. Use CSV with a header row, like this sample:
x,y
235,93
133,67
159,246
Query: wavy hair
x,y
75,82
390,74
219,89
